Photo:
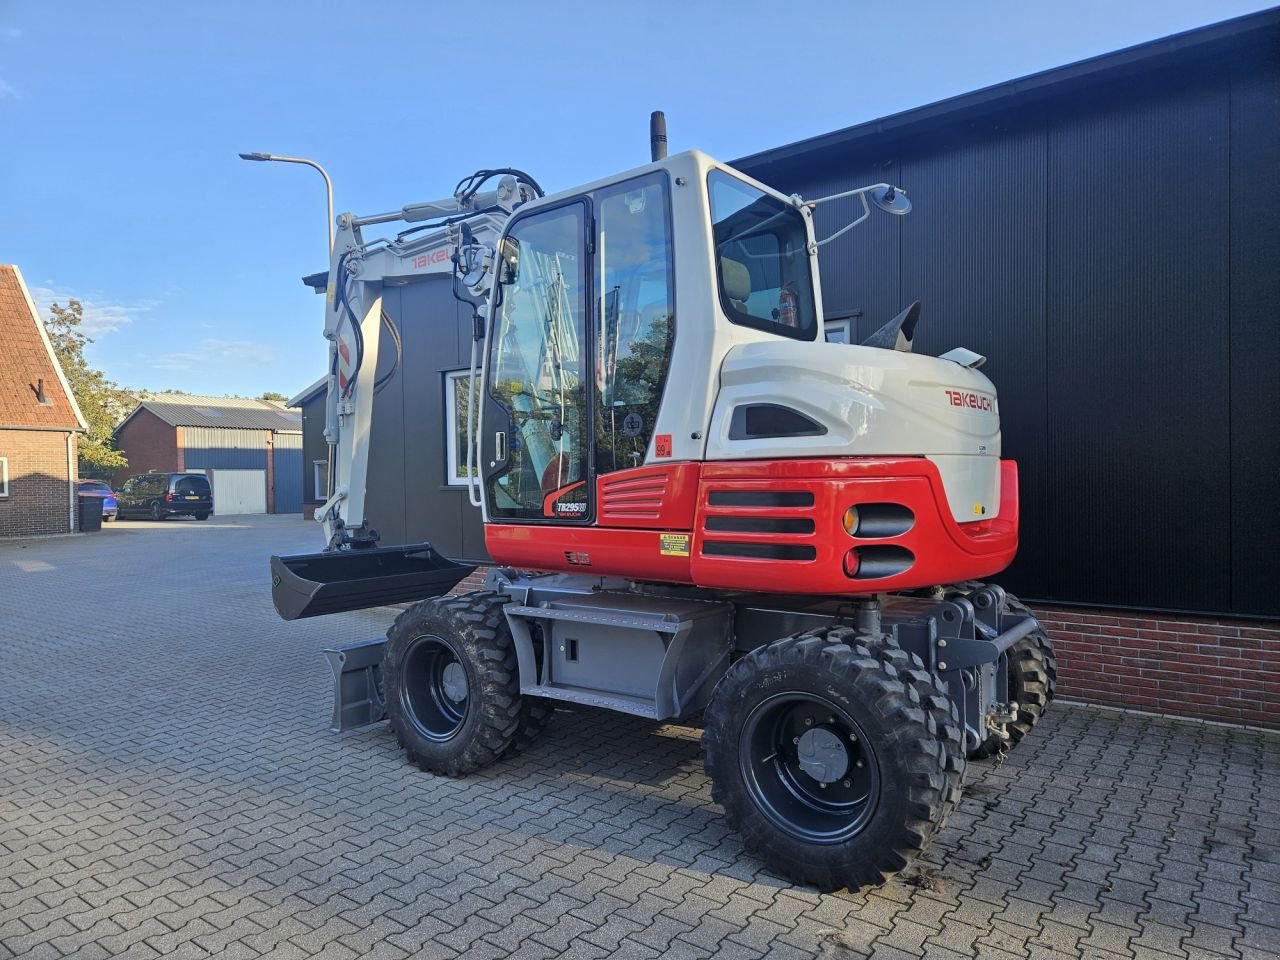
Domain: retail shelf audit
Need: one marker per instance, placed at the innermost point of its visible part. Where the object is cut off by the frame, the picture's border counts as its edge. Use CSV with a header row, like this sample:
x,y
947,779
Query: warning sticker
x,y
674,544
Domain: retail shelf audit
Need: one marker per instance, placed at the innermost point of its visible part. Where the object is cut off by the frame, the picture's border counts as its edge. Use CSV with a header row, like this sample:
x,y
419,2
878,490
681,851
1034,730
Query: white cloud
x,y
100,316
8,91
210,353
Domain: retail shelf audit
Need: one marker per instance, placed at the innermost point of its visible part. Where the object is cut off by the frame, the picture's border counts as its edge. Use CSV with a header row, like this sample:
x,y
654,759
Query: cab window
x,y
537,366
635,313
762,259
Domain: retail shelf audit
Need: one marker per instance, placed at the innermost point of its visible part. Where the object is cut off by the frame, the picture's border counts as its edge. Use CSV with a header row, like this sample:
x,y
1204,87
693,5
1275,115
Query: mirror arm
x,y
849,193
866,212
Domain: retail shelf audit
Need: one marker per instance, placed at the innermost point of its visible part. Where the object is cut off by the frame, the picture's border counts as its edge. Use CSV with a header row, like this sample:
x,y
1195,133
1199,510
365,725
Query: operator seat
x,y
737,283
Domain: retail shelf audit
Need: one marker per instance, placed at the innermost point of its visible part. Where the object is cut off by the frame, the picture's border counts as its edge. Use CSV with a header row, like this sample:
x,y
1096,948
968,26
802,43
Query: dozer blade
x,y
311,584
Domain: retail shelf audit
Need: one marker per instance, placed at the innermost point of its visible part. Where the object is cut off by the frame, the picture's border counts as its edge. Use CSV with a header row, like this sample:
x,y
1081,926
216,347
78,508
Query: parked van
x,y
158,495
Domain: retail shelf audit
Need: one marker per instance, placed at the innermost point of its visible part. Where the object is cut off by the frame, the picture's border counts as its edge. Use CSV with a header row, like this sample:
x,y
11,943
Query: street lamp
x,y
328,184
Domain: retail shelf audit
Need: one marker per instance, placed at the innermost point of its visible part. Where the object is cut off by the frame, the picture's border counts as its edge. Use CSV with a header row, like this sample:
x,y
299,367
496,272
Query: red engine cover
x,y
775,526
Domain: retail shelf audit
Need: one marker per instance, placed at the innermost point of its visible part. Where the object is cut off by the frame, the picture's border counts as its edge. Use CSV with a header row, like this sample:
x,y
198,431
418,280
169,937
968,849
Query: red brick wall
x,y
150,444
39,500
1210,668
472,581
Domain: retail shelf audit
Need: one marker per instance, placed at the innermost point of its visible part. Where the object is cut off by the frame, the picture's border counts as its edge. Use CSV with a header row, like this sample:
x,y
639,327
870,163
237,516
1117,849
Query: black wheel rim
x,y
809,767
435,689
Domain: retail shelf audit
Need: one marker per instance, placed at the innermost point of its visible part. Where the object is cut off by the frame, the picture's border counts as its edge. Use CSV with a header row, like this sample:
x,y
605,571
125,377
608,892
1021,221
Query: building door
x,y
239,492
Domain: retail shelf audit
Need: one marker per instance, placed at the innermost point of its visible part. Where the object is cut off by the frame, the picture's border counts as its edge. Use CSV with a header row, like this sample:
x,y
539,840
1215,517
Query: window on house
x,y
320,478
456,386
4,476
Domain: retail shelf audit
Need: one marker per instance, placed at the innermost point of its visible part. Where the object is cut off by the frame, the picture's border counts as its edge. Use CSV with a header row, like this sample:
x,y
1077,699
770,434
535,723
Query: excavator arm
x,y
460,241
455,237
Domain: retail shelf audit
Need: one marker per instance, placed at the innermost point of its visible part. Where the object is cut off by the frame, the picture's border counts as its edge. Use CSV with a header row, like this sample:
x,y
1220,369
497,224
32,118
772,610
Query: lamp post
x,y
328,184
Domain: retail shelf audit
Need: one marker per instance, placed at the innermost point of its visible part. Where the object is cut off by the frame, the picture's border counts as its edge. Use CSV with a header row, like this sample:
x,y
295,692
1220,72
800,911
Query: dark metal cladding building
x,y
1108,234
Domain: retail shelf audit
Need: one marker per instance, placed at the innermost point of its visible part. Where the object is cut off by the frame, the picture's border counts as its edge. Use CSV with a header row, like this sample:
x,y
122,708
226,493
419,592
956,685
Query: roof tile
x,y
25,361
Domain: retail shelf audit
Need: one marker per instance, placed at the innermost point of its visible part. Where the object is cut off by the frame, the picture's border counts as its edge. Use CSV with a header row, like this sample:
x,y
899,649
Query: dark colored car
x,y
155,496
96,488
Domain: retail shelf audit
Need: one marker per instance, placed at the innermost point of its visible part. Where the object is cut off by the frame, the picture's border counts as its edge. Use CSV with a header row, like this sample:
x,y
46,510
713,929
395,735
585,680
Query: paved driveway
x,y
168,788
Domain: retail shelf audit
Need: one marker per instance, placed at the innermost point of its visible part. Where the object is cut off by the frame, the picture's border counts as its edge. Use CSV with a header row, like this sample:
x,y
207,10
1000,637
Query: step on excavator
x,y
698,510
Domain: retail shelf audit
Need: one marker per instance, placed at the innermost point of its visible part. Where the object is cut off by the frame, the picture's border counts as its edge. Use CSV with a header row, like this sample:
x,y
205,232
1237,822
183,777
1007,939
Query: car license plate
x,y
193,496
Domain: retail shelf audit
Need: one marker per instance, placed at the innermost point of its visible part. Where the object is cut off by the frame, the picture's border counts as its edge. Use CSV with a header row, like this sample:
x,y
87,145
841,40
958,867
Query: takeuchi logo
x,y
970,401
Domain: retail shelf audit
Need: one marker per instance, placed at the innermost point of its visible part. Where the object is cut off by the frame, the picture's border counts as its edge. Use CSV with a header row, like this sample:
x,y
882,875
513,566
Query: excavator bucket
x,y
311,584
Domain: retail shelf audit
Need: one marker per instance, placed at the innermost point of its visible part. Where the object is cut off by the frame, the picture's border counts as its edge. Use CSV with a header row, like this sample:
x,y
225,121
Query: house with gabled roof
x,y
250,449
39,422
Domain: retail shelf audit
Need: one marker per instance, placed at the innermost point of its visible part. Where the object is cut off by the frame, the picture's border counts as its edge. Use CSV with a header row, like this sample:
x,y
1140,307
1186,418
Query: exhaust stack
x,y
657,135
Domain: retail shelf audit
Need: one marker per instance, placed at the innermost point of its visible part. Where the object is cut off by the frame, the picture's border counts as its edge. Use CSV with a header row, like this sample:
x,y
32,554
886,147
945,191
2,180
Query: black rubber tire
x,y
944,716
534,716
156,515
201,516
910,764
1033,677
473,625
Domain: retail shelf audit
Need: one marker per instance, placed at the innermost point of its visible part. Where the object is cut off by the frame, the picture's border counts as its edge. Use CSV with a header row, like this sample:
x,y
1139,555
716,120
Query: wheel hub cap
x,y
822,755
454,682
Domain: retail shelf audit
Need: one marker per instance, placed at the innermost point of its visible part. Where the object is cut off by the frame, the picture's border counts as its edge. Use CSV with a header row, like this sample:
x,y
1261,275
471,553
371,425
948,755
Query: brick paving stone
x,y
202,810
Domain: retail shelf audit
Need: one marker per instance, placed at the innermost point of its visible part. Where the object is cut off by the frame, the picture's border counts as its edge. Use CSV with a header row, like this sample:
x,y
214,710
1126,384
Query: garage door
x,y
239,491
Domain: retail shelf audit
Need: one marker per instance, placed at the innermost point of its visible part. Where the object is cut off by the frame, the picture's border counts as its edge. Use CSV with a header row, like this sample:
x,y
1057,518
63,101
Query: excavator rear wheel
x,y
452,685
825,760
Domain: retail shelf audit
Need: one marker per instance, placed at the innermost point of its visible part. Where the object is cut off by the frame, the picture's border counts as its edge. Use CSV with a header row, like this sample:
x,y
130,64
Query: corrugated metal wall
x,y
228,448
1117,257
286,471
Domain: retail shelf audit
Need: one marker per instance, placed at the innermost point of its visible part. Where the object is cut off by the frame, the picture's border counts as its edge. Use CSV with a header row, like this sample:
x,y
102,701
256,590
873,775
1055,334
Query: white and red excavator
x,y
698,510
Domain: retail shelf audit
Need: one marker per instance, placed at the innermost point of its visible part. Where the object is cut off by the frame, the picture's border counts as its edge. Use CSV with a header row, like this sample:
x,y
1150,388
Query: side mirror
x,y
509,261
890,200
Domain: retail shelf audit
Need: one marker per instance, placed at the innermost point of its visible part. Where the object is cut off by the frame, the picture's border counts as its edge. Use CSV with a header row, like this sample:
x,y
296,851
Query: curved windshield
x,y
762,259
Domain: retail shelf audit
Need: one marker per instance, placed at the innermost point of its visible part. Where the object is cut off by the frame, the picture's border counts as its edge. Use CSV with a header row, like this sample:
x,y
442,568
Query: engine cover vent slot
x,y
758,551
760,524
770,421
760,498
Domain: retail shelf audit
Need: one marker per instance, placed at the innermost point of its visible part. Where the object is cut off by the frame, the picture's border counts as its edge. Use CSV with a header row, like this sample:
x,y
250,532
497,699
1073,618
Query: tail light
x,y
168,497
851,563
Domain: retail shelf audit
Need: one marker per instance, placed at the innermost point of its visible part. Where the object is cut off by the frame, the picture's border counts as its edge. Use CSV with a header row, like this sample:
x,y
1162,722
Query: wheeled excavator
x,y
698,510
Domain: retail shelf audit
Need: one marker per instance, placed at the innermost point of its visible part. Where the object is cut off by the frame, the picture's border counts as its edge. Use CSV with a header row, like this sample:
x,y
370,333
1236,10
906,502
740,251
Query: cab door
x,y
535,427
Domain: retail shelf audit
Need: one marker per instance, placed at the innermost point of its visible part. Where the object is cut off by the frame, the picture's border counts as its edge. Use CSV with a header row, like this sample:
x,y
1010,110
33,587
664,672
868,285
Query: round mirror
x,y
890,200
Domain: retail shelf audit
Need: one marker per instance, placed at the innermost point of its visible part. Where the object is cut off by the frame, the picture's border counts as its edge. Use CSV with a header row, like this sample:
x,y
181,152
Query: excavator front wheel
x,y
825,760
452,685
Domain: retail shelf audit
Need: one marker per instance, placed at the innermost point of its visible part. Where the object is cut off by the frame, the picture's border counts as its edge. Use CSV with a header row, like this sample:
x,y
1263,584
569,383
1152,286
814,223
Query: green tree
x,y
272,395
101,401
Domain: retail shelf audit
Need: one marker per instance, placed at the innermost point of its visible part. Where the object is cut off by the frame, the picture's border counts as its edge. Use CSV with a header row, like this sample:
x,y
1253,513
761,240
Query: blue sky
x,y
120,185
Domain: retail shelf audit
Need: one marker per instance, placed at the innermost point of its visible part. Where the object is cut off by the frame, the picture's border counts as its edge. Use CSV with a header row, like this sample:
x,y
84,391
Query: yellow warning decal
x,y
979,509
674,544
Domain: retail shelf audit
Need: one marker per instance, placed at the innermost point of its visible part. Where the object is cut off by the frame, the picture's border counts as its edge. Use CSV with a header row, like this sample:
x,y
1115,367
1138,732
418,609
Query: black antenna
x,y
658,135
